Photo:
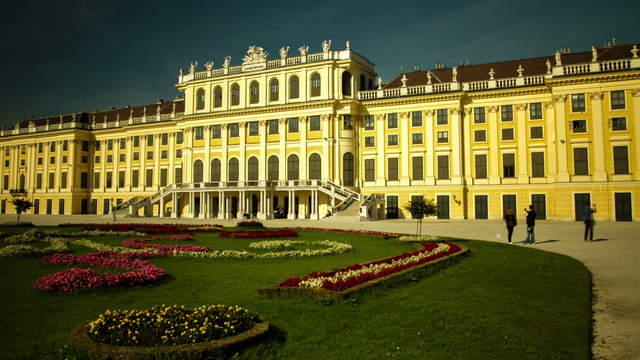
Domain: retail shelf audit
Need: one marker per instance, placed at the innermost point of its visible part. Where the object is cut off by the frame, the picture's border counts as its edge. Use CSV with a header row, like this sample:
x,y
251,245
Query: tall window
x,y
96,180
197,171
508,165
369,122
293,167
179,137
215,169
294,87
254,92
578,103
535,111
273,168
121,179
216,132
217,96
580,161
347,122
234,169
235,94
315,84
63,180
392,121
254,128
200,99
315,167
392,169
164,139
416,118
148,178
274,90
163,177
362,83
369,169
199,132
506,113
418,168
481,166
234,130
135,174
617,100
442,117
479,115
149,140
252,169
314,123
292,124
537,164
347,169
443,167
178,176
272,127
620,160
346,83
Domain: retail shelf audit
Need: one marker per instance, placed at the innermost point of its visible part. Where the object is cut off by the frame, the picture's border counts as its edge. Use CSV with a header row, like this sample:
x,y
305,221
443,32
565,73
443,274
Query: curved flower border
x,y
258,234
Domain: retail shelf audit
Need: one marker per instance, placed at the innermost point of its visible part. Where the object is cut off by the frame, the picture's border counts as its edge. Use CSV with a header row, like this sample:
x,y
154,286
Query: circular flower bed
x,y
257,234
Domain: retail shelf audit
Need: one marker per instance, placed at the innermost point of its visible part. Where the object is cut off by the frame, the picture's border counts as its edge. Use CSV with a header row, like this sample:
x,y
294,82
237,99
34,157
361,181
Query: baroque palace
x,y
317,133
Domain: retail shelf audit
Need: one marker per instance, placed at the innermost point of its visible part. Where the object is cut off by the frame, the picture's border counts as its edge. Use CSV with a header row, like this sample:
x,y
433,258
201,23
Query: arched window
x,y
363,82
347,169
234,169
346,83
215,170
254,92
200,99
274,90
252,169
294,87
293,167
197,171
370,84
235,94
217,96
315,84
272,168
21,181
315,167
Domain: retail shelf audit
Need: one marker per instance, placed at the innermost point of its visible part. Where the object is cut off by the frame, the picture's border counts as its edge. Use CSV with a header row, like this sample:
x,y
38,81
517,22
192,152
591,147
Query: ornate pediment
x,y
255,54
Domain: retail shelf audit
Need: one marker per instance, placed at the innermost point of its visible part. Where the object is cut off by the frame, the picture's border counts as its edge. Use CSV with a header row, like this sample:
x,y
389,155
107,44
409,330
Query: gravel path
x,y
612,260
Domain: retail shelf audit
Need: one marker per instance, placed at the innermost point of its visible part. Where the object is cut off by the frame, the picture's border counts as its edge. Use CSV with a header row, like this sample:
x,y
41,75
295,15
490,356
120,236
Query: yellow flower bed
x,y
170,325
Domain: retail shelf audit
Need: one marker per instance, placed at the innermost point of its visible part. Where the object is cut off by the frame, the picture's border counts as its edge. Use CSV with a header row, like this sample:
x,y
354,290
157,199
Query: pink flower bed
x,y
141,272
259,234
359,273
139,243
152,229
367,232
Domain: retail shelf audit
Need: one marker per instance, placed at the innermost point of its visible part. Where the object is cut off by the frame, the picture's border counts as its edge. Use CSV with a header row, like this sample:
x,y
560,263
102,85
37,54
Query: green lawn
x,y
500,302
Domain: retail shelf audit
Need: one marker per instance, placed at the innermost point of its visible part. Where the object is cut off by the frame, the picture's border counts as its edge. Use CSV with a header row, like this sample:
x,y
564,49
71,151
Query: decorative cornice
x,y
418,99
260,110
635,92
521,107
454,111
596,95
558,99
429,112
492,109
591,78
548,104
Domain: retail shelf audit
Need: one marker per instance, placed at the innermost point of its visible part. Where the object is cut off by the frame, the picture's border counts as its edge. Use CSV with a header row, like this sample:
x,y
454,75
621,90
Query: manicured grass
x,y
500,302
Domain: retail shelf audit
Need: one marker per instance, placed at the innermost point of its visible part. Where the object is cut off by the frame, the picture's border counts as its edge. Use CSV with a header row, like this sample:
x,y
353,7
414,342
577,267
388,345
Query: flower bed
x,y
382,234
140,243
258,234
167,331
357,276
418,238
332,247
152,229
22,244
142,272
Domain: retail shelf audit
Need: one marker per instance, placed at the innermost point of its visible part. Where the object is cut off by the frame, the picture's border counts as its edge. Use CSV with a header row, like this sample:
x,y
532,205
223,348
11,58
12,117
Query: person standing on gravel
x,y
531,224
510,221
587,217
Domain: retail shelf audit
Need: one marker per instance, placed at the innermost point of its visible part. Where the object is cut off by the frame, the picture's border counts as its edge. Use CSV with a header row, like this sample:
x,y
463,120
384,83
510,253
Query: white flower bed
x,y
418,238
372,269
18,249
273,244
333,247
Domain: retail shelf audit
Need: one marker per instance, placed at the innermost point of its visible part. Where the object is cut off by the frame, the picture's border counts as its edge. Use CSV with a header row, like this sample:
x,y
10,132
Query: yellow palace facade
x,y
314,134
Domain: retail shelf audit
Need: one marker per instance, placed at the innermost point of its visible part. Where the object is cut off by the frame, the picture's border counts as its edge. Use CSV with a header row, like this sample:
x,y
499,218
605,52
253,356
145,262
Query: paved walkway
x,y
613,261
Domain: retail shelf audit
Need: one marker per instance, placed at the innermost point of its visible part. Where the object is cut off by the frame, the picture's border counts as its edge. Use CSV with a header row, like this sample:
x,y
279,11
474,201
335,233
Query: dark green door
x,y
580,201
623,207
509,202
539,205
482,206
443,206
392,207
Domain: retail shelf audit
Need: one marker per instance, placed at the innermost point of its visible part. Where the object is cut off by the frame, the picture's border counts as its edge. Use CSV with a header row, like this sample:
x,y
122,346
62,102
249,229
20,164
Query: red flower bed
x,y
142,272
366,232
139,243
143,228
359,273
259,234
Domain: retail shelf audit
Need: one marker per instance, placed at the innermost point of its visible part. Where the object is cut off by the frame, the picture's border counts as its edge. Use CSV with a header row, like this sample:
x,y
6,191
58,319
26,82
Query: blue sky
x,y
57,57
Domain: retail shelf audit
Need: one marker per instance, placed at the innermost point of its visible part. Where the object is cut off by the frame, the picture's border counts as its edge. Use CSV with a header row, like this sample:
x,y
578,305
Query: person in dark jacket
x,y
531,223
510,221
587,217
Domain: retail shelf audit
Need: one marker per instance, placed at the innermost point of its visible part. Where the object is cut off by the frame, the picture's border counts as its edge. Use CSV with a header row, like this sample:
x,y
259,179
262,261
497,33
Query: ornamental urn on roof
x,y
254,55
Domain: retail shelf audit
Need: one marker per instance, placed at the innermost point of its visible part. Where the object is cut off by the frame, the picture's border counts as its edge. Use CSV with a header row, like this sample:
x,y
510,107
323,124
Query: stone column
x,y
171,173
561,138
494,149
550,136
523,151
174,205
103,163
206,168
127,178
58,165
456,146
156,161
282,134
468,175
262,168
429,178
203,205
221,203
326,145
225,149
404,143
187,168
242,161
142,177
337,175
380,142
303,148
599,152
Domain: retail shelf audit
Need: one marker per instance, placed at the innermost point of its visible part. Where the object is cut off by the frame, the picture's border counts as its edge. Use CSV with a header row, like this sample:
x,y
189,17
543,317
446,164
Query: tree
x,y
419,209
21,206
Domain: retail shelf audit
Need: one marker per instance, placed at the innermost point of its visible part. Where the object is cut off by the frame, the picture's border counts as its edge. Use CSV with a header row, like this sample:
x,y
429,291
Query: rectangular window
x,y
443,167
97,145
507,134
443,137
52,148
620,160
418,167
120,179
347,122
392,121
480,136
617,100
234,130
416,138
292,125
618,124
314,123
122,158
85,146
63,180
109,144
84,180
442,117
5,182
272,127
149,155
580,161
178,176
60,206
164,139
64,159
96,180
254,128
479,115
52,180
506,113
577,103
39,161
149,178
392,140
180,134
216,133
579,126
416,118
149,140
536,132
109,179
85,159
369,169
537,164
136,141
164,154
136,156
179,153
41,148
369,122
535,111
123,144
135,174
39,181
481,166
199,132
65,145
508,165
163,177
392,169
369,141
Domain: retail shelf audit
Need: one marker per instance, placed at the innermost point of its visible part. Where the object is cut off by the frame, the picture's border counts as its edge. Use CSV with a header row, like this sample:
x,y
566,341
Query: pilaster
x,y
404,142
303,148
456,149
600,172
468,178
380,158
494,149
429,178
206,168
561,138
326,147
243,150
127,177
225,153
156,160
636,125
262,168
282,135
550,135
171,174
523,151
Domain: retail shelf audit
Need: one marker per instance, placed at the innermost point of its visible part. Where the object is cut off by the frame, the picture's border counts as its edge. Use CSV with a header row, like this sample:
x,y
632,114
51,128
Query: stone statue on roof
x,y
209,65
429,77
326,45
379,82
634,51
404,80
594,54
454,74
284,52
227,61
548,67
558,58
192,67
520,70
304,50
348,44
491,74
254,54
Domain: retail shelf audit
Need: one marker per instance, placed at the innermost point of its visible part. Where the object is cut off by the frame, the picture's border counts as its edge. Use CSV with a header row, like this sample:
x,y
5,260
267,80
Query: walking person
x,y
587,217
531,223
510,221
